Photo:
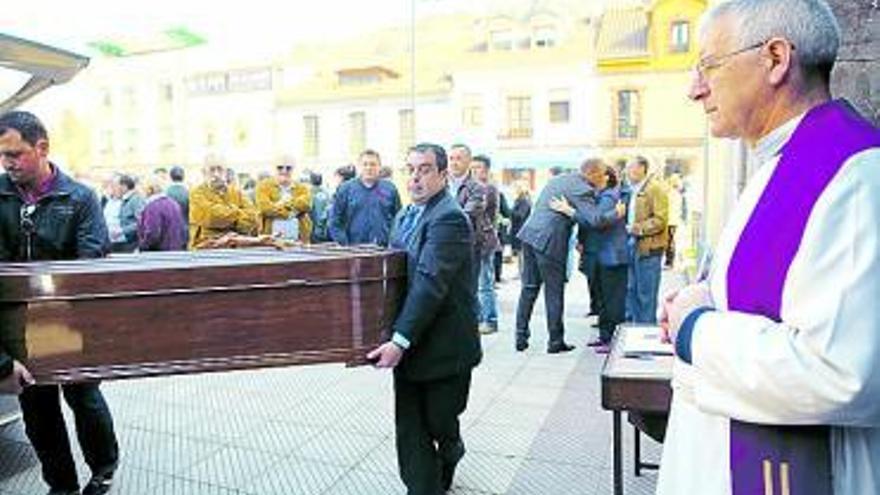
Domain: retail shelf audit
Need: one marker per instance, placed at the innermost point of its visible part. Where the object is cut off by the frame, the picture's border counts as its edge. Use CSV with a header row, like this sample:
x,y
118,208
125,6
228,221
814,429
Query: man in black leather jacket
x,y
46,215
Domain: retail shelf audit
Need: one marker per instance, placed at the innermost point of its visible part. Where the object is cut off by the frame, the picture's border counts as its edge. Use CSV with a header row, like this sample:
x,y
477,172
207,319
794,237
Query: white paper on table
x,y
646,339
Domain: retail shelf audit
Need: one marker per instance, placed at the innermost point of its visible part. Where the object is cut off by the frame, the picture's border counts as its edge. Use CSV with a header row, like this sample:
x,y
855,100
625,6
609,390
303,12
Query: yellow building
x,y
644,55
644,52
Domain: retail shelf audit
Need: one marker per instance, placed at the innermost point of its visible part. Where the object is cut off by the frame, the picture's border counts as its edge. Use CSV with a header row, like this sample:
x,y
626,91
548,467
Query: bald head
x,y
214,171
596,172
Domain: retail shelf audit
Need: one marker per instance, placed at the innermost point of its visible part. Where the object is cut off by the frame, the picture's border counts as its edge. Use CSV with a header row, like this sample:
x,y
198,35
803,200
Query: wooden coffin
x,y
183,312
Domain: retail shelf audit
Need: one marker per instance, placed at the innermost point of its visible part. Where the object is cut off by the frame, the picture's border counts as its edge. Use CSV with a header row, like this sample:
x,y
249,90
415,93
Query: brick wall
x,y
856,75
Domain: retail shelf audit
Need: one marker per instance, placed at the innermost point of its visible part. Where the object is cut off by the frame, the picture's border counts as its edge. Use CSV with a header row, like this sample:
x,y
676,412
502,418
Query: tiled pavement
x,y
533,426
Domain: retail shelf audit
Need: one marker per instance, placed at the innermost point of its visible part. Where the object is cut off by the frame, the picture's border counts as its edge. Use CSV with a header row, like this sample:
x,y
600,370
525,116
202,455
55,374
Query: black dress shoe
x,y
556,349
521,345
63,492
99,484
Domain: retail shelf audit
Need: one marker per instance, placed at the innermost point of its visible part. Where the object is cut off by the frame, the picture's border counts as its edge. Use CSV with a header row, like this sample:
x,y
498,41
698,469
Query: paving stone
x,y
341,448
297,477
165,453
537,477
357,482
233,468
277,437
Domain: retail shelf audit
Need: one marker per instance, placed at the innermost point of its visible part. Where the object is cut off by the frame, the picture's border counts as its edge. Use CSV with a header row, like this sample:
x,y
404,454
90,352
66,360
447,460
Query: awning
x,y
46,66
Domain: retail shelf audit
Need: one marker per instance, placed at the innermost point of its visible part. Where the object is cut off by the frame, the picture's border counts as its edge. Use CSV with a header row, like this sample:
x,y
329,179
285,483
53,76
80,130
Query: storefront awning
x,y
39,66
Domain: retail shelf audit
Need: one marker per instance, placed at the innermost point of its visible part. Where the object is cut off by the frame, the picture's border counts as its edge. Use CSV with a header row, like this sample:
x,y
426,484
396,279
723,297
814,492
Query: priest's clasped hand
x,y
677,305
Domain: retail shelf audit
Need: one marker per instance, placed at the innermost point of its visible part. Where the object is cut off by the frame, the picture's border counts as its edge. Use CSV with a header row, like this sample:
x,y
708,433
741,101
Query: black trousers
x,y
539,269
427,429
44,425
498,259
590,268
612,282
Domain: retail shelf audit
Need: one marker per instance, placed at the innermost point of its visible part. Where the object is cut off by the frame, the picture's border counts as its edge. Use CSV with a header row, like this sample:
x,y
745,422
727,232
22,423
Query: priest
x,y
777,381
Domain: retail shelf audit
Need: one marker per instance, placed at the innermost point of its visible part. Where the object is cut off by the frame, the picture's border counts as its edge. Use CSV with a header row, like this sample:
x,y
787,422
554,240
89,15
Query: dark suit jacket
x,y
439,312
547,231
471,196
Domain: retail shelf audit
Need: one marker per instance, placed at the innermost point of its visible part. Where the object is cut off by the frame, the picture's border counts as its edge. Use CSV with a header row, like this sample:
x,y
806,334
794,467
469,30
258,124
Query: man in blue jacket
x,y
364,208
46,215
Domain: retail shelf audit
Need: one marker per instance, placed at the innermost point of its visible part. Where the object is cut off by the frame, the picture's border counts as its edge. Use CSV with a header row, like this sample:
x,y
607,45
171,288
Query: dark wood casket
x,y
183,312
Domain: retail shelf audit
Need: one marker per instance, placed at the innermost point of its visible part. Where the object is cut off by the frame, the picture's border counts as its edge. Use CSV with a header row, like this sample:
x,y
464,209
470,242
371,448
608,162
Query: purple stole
x,y
797,457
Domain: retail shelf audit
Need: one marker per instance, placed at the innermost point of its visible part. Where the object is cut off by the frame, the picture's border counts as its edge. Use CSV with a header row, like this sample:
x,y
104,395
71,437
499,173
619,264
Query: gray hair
x,y
809,25
591,163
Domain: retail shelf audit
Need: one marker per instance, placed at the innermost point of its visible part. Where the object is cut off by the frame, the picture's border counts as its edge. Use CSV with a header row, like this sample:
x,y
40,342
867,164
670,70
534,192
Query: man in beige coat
x,y
647,222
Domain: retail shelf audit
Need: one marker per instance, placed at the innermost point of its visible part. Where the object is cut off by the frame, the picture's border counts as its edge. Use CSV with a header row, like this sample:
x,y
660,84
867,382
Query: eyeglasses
x,y
284,168
710,62
421,170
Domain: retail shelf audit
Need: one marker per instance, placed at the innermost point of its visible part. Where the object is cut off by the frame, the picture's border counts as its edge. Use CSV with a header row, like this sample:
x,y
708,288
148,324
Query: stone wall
x,y
856,75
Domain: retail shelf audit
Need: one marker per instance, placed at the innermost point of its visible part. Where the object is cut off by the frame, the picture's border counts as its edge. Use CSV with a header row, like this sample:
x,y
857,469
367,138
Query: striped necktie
x,y
407,227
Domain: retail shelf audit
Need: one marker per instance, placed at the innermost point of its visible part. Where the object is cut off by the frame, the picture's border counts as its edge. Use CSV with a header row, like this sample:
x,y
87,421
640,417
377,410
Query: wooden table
x,y
640,384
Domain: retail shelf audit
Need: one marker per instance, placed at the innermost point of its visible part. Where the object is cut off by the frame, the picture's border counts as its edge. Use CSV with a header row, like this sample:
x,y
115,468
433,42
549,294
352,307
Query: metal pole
x,y
617,454
412,59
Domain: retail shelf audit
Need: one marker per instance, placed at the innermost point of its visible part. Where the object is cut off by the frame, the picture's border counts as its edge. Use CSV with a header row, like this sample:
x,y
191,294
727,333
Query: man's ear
x,y
779,59
42,147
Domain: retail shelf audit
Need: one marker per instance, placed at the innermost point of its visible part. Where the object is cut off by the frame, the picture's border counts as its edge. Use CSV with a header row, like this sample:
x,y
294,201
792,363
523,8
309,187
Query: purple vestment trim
x,y
827,136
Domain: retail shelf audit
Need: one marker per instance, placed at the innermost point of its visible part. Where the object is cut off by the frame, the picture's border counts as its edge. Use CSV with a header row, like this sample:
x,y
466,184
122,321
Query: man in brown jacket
x,y
647,221
217,207
284,205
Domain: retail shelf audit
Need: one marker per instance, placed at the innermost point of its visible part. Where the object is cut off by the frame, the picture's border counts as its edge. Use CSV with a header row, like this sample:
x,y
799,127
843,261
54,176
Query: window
x,y
559,106
359,79
559,112
214,83
105,147
357,127
131,138
128,97
471,111
166,93
311,136
249,80
627,114
501,40
519,117
680,37
210,136
166,139
545,37
242,134
407,129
